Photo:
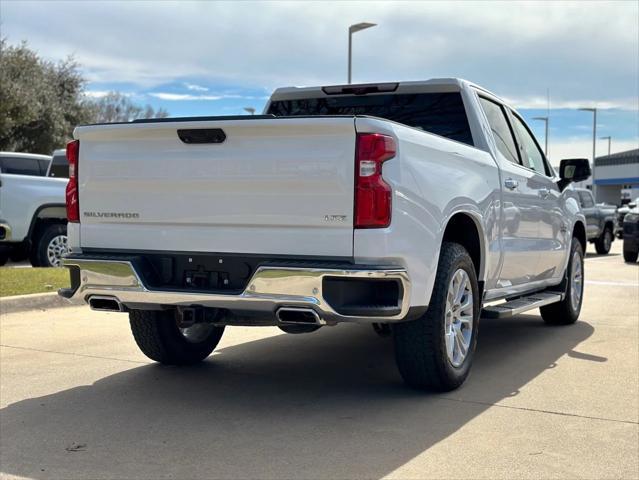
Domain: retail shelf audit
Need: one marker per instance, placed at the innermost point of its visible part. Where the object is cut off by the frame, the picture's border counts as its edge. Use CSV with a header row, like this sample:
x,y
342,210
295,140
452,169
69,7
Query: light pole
x,y
609,138
351,30
545,120
594,146
250,110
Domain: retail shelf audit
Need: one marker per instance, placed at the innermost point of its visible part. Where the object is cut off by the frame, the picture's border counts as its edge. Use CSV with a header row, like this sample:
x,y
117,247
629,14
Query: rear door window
x,y
500,127
20,166
440,113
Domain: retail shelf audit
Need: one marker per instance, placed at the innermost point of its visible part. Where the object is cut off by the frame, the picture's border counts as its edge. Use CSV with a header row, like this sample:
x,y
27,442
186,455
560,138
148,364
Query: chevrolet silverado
x,y
418,206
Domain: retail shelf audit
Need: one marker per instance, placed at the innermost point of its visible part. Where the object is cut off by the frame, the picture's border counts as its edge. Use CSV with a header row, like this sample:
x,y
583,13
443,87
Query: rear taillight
x,y
372,193
73,205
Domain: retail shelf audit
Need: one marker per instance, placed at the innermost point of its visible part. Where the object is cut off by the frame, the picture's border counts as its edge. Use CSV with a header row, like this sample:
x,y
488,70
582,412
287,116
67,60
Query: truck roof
x,y
450,84
25,155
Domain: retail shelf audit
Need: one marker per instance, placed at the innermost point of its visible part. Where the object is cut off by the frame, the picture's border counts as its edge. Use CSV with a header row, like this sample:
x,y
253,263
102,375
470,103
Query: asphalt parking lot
x,y
78,400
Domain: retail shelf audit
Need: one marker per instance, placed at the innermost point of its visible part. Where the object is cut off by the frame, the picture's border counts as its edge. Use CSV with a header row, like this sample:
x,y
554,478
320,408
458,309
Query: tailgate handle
x,y
202,135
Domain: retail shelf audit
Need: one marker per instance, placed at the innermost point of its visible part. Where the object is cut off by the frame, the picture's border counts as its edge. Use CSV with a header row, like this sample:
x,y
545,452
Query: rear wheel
x,y
49,246
604,242
630,256
435,351
567,311
161,337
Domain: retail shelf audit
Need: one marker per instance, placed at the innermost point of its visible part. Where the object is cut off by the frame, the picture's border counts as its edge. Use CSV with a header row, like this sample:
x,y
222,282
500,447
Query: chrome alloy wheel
x,y
197,332
607,240
458,328
56,250
576,280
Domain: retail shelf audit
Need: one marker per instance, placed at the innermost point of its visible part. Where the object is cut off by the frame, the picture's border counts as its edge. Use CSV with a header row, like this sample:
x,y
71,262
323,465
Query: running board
x,y
521,305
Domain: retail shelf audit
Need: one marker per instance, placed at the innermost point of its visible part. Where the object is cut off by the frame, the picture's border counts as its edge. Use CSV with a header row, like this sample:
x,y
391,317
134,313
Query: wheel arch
x,y
45,214
466,229
610,223
579,232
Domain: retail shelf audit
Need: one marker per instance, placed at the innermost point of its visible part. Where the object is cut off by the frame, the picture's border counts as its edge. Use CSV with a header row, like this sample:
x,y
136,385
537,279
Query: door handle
x,y
544,192
511,184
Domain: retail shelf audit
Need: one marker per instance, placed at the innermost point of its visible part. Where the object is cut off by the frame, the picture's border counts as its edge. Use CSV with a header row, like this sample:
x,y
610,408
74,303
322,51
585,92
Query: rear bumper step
x,y
269,290
521,305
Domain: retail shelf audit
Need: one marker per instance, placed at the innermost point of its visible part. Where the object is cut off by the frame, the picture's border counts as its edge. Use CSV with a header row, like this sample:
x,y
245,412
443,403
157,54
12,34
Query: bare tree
x,y
117,107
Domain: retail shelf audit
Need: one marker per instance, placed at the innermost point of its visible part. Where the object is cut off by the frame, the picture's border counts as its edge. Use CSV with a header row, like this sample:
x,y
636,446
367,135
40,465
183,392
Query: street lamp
x,y
594,145
545,120
351,30
609,138
250,110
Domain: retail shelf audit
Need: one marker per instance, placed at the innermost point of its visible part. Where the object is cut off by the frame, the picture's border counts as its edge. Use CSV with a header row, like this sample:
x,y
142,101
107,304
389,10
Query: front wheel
x,y
604,242
435,351
161,337
567,311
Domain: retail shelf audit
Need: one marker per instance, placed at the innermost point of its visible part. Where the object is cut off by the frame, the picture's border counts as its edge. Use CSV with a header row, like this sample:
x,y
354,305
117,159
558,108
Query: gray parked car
x,y
631,235
621,213
600,219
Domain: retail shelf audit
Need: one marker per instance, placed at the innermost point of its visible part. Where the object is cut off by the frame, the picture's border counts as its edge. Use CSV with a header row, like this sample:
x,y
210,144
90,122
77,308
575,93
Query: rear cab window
x,y
441,113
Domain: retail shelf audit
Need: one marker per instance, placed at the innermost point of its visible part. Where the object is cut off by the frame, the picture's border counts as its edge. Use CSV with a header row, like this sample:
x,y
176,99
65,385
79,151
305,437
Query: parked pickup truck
x,y
33,220
408,205
601,221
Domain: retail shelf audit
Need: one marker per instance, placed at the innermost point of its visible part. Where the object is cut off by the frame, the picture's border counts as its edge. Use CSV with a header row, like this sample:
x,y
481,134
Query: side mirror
x,y
573,170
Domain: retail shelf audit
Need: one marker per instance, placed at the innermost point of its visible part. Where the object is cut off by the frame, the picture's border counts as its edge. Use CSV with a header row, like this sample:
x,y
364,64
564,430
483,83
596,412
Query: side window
x,y
21,166
44,165
501,130
530,152
586,199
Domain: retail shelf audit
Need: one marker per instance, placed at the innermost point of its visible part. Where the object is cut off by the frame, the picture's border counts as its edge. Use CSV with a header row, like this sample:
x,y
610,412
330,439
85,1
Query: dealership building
x,y
616,173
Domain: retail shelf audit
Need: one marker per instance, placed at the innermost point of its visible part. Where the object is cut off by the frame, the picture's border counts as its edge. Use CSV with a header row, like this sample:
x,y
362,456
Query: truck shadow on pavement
x,y
328,404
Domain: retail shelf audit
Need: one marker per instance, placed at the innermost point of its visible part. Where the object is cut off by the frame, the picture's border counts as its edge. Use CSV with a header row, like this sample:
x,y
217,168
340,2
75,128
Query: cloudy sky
x,y
214,58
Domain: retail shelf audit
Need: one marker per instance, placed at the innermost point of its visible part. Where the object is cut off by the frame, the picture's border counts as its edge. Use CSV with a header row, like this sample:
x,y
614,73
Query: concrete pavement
x,y
78,400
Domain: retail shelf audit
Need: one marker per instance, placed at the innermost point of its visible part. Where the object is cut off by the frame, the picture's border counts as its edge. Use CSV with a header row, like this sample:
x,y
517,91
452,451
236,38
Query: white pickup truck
x,y
33,220
413,205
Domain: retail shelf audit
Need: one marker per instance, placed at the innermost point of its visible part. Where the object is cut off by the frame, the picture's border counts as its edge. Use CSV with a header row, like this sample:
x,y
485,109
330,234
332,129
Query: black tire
x,y
420,345
4,258
38,256
604,242
564,312
159,338
630,256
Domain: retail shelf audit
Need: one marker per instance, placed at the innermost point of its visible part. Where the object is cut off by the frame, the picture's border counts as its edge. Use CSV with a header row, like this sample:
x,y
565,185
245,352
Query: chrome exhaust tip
x,y
298,316
105,304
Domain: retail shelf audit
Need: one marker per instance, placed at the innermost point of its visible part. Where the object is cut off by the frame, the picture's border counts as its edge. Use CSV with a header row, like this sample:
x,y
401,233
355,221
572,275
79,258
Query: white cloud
x,y
96,93
183,96
581,51
196,88
582,148
542,103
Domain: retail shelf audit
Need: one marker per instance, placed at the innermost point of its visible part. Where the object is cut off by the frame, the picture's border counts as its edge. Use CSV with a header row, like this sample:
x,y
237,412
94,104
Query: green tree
x,y
117,107
40,101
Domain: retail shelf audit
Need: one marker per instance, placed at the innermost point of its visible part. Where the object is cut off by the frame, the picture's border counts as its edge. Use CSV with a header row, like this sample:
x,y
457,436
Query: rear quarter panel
x,y
433,178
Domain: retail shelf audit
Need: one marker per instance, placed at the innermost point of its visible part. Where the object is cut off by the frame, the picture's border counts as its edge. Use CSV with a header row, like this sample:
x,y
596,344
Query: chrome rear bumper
x,y
269,289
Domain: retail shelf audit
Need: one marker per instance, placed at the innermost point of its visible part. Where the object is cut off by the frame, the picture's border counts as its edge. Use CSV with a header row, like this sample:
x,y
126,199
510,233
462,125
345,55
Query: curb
x,y
34,301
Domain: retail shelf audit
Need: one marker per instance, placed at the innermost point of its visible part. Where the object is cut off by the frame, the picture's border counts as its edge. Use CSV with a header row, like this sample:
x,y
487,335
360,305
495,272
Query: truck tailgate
x,y
273,186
